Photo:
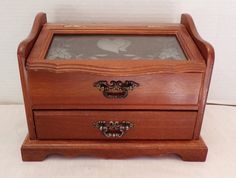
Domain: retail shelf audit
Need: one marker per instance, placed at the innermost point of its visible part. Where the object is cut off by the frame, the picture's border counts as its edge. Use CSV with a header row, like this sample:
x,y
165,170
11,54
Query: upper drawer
x,y
105,124
73,89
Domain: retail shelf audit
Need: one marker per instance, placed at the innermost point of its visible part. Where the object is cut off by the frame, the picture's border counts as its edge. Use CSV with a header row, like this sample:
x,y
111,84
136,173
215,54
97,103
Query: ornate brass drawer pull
x,y
115,89
113,129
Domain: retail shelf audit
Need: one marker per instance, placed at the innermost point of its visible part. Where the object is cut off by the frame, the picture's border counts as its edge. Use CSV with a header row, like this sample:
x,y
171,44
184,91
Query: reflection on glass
x,y
131,47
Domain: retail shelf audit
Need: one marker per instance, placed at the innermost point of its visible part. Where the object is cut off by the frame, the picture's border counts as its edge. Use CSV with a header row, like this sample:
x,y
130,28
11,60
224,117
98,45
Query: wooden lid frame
x,y
43,34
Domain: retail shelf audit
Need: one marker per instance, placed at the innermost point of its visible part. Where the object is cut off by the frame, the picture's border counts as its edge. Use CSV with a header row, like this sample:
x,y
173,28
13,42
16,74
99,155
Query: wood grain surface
x,y
23,52
147,124
76,88
38,150
168,104
208,53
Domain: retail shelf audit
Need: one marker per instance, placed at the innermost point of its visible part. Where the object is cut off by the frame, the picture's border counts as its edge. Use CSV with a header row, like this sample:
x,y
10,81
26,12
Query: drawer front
x,y
114,124
58,90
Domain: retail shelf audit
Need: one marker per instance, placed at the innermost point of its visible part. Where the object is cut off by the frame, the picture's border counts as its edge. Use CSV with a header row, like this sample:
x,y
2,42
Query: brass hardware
x,y
113,129
115,89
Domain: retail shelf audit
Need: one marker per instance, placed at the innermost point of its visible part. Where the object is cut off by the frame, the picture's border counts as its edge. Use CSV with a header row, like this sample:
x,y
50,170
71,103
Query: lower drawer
x,y
114,124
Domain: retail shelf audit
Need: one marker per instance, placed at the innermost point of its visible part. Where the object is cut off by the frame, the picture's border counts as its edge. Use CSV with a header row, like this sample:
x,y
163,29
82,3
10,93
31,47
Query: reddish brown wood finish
x,y
38,150
22,54
195,62
76,88
147,124
208,53
165,87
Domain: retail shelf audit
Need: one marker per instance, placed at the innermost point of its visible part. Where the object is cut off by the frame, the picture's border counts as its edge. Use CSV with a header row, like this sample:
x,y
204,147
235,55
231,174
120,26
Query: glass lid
x,y
132,47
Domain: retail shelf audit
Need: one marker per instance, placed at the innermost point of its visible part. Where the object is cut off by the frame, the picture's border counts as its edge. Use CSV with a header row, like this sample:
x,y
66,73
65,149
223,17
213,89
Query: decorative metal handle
x,y
115,89
113,129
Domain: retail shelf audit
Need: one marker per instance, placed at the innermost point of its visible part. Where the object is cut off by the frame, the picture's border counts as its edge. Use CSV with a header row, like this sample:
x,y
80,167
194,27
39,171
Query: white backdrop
x,y
215,20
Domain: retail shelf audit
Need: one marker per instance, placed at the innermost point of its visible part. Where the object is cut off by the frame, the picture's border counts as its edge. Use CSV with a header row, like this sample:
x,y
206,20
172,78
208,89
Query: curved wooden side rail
x,y
205,48
22,54
187,150
208,54
26,45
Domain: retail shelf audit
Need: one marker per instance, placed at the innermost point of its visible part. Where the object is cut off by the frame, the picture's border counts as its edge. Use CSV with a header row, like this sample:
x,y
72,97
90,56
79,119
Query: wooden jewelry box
x,y
114,91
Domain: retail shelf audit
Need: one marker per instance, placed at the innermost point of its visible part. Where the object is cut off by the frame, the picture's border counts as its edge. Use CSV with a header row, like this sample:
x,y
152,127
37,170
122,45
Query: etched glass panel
x,y
132,47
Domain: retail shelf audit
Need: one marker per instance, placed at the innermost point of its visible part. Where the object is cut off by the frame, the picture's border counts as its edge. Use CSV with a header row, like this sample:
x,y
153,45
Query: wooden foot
x,y
38,150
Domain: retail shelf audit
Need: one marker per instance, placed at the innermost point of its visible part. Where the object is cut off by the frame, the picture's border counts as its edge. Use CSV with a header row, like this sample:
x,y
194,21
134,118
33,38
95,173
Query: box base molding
x,y
187,150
